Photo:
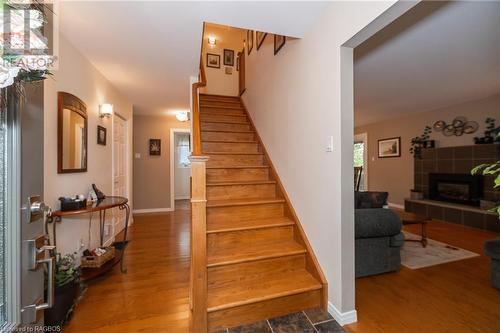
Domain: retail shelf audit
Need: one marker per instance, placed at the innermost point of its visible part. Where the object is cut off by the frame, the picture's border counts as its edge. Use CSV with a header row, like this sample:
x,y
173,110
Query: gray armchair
x,y
378,237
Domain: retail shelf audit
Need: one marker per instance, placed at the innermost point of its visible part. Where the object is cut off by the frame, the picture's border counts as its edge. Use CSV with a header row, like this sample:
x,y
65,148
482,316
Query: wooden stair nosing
x,y
239,167
244,182
242,115
227,131
231,153
242,202
224,122
213,228
309,284
257,257
222,141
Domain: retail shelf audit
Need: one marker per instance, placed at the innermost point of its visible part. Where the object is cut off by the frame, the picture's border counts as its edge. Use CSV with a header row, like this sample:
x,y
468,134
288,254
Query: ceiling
x,y
436,55
149,49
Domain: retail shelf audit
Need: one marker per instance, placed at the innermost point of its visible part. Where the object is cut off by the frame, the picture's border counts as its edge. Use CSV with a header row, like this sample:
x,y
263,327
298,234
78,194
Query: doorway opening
x,y
180,166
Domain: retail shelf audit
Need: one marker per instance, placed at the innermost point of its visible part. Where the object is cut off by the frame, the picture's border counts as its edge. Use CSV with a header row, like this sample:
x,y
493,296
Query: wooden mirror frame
x,y
68,101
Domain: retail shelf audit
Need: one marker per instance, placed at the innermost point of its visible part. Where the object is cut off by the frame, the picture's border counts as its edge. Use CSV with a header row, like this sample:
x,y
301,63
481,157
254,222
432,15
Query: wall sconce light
x,y
182,115
106,110
211,41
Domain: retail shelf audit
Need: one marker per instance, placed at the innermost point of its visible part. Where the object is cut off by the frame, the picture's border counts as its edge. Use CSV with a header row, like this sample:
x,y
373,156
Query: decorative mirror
x,y
71,134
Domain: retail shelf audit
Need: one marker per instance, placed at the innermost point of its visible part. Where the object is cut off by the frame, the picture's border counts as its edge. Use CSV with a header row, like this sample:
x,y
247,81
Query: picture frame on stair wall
x,y
228,57
279,42
260,36
213,60
249,41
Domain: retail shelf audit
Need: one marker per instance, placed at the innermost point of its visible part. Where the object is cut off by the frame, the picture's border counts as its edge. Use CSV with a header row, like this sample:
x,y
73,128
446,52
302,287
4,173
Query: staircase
x,y
259,263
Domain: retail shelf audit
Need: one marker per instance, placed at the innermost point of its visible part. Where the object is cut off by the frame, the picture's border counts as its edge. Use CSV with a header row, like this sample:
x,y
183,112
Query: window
x,y
183,151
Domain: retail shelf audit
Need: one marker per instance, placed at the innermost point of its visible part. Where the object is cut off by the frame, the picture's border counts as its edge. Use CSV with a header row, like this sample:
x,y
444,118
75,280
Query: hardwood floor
x,y
153,295
452,297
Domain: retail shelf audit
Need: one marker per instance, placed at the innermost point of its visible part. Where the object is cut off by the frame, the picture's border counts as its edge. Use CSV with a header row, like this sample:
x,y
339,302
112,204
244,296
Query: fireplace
x,y
457,188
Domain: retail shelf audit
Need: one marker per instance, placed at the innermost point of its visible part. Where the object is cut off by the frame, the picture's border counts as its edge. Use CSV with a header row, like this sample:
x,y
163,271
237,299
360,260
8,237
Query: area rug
x,y
414,255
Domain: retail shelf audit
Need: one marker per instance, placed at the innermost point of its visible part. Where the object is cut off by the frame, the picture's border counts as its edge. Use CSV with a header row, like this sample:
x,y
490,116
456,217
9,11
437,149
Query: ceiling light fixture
x,y
182,115
211,41
106,110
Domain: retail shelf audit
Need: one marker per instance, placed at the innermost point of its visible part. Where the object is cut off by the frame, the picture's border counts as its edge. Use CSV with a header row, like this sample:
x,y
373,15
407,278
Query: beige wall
x,y
395,175
152,173
294,99
78,76
218,82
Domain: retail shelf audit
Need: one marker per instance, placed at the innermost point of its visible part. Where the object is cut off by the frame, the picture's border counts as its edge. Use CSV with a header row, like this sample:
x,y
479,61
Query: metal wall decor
x,y
458,127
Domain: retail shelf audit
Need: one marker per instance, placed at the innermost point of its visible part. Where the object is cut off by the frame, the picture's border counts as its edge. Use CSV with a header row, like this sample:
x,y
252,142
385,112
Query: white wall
x,y
294,99
218,82
76,75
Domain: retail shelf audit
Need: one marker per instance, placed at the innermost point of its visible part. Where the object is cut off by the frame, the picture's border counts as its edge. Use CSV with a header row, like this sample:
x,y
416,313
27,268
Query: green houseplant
x,y
492,169
67,276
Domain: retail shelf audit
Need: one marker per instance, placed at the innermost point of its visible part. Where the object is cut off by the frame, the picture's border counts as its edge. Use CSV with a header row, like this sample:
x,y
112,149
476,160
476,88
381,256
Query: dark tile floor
x,y
308,321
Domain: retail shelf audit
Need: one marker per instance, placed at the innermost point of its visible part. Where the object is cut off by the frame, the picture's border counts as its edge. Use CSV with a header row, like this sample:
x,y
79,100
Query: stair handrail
x,y
202,82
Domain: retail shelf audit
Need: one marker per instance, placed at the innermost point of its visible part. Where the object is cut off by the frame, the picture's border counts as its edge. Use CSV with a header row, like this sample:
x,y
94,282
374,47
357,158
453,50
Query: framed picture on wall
x,y
155,147
213,60
279,41
260,36
101,135
228,57
249,41
390,147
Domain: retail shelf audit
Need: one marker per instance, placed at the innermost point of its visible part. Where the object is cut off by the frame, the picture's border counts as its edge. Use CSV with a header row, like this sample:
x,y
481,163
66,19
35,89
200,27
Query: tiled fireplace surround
x,y
458,160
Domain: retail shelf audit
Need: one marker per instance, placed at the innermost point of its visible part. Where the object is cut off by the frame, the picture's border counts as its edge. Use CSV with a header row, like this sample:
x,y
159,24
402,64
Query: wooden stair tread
x,y
225,122
228,226
259,290
231,153
232,114
239,167
222,141
236,253
246,182
242,202
226,131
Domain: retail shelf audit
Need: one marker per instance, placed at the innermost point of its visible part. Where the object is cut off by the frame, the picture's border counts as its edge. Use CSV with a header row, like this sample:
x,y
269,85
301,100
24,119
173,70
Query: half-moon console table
x,y
100,206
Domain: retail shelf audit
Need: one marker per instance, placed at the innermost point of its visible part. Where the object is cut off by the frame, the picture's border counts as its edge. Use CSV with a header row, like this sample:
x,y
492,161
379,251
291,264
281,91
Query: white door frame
x,y
128,164
363,137
172,163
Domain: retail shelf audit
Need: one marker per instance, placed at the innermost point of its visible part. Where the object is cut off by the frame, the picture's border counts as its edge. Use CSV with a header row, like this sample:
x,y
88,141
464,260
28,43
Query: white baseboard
x,y
183,197
152,210
343,318
393,205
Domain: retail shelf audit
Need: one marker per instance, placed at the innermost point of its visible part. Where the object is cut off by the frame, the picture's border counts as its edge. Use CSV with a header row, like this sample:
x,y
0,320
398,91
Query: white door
x,y
182,166
119,166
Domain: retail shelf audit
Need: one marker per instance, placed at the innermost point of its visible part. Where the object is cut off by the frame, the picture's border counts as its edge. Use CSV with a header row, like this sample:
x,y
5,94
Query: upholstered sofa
x,y
492,249
378,236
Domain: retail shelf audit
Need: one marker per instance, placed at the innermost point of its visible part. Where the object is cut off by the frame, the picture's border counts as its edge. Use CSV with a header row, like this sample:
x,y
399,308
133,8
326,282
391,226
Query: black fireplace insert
x,y
457,188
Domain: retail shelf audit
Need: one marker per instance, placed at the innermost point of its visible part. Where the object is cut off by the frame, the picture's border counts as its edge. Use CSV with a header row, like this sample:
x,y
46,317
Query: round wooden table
x,y
100,206
411,218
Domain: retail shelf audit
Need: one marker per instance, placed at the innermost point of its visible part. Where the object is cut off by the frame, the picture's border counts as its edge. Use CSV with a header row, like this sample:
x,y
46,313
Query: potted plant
x,y
67,277
419,142
490,170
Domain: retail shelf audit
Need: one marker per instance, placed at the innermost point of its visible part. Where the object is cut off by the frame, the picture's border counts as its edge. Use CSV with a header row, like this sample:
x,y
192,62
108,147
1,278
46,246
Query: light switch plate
x,y
137,155
329,144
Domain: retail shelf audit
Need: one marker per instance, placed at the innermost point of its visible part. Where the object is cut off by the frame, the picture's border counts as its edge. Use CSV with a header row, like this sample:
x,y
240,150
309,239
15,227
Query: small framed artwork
x,y
390,147
101,135
228,70
279,41
260,36
249,41
228,57
213,60
155,147
238,62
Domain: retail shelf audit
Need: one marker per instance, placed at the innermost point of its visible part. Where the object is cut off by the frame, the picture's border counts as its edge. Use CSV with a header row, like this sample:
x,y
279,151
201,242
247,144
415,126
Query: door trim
x,y
172,161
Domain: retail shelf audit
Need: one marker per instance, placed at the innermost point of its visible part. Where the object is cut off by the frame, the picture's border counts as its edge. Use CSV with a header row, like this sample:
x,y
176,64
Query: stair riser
x,y
221,175
222,111
228,118
250,191
224,105
221,276
243,147
223,136
245,212
231,99
249,237
224,127
239,160
250,313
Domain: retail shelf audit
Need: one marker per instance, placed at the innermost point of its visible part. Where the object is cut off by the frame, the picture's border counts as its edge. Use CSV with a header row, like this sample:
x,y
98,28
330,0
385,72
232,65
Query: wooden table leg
x,y
424,234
